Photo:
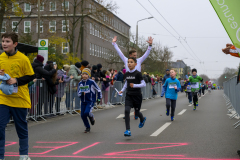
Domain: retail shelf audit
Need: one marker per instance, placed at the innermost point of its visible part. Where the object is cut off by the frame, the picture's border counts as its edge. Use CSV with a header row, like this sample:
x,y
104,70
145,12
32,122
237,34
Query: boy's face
x,y
172,74
131,64
85,76
8,45
133,55
194,73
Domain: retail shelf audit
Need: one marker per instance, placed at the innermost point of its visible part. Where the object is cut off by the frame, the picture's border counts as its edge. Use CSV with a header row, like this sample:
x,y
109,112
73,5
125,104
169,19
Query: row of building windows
x,y
52,6
110,21
104,34
102,52
27,26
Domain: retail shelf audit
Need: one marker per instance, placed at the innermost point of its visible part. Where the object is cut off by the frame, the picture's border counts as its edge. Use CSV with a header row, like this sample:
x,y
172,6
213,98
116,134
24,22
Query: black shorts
x,y
135,101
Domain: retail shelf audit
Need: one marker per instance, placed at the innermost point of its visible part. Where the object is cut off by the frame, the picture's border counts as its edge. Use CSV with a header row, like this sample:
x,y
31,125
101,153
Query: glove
x,y
98,101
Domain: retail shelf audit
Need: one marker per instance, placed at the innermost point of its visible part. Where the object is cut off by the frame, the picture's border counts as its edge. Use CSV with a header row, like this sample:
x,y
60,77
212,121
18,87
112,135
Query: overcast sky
x,y
194,19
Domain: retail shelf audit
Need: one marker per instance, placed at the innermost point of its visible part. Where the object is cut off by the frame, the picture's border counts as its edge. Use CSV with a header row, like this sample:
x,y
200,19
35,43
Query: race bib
x,y
84,89
189,87
172,85
195,85
15,88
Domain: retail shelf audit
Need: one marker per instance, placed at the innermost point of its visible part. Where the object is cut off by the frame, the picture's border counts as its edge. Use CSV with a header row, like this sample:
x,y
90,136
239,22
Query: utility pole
x,y
39,20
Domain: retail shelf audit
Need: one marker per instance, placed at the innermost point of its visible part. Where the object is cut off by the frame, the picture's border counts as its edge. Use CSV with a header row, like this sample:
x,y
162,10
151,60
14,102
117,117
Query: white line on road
x,y
190,105
161,129
181,113
131,114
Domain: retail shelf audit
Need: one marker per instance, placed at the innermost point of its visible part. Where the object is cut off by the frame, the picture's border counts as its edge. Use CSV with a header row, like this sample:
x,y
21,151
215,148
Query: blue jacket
x,y
87,90
168,87
6,89
120,76
165,78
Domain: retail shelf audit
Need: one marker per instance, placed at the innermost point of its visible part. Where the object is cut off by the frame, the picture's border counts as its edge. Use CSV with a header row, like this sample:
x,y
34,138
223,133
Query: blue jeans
x,y
190,96
86,111
19,117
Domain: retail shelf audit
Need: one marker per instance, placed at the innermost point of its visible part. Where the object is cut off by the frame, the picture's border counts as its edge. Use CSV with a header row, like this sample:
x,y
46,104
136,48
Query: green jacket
x,y
75,72
195,83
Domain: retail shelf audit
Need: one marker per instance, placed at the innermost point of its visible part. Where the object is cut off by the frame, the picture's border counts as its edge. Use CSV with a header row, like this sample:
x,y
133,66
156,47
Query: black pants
x,y
195,98
132,101
171,103
200,92
203,91
58,101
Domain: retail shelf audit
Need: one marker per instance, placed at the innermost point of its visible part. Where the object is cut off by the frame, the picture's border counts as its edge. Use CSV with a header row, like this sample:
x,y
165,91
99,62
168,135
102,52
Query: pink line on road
x,y
94,144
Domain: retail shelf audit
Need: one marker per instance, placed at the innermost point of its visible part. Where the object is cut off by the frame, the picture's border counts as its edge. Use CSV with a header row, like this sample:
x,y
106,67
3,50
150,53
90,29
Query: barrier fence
x,y
44,104
232,97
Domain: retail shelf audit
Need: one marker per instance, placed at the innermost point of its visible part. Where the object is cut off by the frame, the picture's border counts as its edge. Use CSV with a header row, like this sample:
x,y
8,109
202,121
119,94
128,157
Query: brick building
x,y
99,26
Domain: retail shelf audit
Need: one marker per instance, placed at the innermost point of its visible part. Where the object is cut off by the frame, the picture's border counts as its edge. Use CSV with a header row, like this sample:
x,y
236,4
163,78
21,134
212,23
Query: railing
x,y
232,97
65,100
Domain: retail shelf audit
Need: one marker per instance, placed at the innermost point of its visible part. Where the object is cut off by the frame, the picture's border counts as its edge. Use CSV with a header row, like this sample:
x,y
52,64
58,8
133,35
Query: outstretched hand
x,y
150,40
114,39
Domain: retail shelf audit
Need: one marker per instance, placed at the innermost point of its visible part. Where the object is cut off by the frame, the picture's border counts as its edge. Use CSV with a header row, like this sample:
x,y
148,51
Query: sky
x,y
195,21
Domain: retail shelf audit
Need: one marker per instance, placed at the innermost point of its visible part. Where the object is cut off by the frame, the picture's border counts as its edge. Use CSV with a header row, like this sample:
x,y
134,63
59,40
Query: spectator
x,y
100,74
166,76
120,75
76,73
145,77
161,79
62,74
111,73
106,86
84,64
94,74
182,85
149,78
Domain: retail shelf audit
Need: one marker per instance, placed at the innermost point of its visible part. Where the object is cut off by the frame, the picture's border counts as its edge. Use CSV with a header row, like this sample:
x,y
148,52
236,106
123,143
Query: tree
x,y
228,73
204,77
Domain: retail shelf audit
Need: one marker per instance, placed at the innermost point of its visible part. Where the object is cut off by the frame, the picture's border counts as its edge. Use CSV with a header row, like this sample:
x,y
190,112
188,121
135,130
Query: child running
x,y
194,80
87,90
209,87
134,83
171,87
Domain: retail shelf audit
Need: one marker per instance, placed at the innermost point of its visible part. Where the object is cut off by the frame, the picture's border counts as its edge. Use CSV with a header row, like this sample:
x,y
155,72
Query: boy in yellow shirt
x,y
18,67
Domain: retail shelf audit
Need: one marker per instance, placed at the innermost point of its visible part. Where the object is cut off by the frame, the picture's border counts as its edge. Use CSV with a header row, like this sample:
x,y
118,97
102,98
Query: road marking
x,y
181,113
190,105
161,129
131,114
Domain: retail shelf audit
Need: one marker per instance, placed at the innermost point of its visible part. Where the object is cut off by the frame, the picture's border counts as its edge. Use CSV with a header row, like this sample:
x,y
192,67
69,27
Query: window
x,y
3,30
52,26
41,27
100,32
95,50
95,27
52,6
14,26
15,6
66,6
91,28
27,7
65,25
100,53
27,26
90,49
42,7
90,8
65,48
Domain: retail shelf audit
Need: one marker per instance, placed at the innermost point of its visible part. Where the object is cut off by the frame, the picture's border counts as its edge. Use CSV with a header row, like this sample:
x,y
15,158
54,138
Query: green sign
x,y
229,14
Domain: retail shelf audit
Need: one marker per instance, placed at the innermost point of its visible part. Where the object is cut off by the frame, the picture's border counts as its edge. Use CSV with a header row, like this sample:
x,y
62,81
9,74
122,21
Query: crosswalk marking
x,y
181,113
161,129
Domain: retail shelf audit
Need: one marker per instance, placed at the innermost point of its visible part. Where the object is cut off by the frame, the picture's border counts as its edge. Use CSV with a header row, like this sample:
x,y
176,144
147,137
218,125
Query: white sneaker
x,y
25,157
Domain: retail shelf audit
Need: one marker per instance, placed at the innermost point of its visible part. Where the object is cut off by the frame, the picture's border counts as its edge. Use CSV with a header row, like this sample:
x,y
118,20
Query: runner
x,y
133,53
20,72
189,91
195,80
203,88
171,87
87,90
134,83
209,87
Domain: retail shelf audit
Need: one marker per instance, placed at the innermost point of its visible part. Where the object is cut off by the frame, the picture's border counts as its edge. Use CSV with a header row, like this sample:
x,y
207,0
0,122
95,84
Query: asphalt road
x,y
206,133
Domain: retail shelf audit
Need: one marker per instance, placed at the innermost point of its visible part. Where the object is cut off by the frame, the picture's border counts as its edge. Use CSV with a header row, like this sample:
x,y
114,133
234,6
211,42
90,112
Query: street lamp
x,y
137,29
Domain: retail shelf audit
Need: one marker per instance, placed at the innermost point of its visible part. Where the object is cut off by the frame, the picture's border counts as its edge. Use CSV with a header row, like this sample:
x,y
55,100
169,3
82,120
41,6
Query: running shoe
x,y
87,130
194,108
136,117
167,112
172,118
92,120
127,133
141,124
197,104
24,157
190,102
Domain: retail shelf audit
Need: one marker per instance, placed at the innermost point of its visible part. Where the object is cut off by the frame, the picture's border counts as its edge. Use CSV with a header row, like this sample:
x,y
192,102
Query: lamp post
x,y
137,29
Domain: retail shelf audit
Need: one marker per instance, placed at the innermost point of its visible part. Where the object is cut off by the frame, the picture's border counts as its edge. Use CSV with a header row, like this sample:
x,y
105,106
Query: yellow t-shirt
x,y
16,66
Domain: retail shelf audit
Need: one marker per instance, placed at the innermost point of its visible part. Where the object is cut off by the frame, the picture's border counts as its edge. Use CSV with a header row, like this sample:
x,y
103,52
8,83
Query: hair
x,y
110,70
134,59
172,70
12,35
132,51
108,73
54,76
104,72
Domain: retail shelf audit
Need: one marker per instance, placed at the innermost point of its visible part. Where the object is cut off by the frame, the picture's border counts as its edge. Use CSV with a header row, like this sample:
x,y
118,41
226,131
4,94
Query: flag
x,y
229,13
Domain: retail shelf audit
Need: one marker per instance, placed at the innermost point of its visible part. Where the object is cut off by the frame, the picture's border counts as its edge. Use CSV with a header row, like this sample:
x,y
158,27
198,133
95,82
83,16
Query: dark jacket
x,y
165,78
120,76
51,86
149,79
145,78
39,71
95,75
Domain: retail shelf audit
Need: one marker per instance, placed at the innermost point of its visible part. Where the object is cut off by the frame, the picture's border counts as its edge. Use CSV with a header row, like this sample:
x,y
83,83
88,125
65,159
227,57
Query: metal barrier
x,y
66,99
232,97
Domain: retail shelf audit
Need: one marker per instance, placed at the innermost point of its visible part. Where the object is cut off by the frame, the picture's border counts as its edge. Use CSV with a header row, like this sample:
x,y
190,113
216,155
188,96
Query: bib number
x,y
84,89
195,85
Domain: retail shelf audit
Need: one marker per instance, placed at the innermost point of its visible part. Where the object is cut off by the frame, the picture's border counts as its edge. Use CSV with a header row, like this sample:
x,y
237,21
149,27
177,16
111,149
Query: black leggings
x,y
195,98
203,91
171,103
127,115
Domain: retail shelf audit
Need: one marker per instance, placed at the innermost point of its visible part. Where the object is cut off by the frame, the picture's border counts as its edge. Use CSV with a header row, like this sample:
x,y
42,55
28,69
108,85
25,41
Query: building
x,y
91,38
179,66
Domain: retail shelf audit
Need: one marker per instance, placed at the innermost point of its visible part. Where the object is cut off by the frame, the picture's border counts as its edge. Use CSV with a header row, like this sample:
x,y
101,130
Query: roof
x,y
178,64
25,48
